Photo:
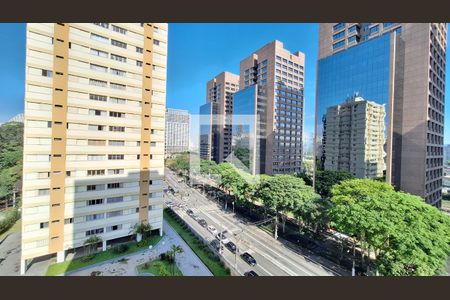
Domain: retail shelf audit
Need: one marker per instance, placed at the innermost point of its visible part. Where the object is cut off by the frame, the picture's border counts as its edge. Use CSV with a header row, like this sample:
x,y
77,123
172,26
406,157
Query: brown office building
x,y
401,66
219,102
280,74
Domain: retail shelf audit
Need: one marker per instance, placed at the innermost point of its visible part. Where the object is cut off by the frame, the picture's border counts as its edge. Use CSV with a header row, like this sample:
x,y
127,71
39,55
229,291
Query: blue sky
x,y
197,52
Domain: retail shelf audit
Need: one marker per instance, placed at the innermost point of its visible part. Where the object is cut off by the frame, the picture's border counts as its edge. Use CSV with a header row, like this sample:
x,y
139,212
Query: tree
x,y
140,230
283,194
404,235
306,178
325,180
91,244
174,250
11,144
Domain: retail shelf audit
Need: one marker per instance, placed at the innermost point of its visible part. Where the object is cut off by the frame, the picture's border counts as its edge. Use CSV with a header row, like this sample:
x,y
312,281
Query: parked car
x,y
190,212
195,217
221,236
248,258
231,246
251,274
202,222
212,229
216,244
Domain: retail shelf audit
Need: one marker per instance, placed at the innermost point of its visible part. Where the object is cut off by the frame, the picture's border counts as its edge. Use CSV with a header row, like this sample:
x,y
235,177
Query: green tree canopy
x,y
325,180
406,235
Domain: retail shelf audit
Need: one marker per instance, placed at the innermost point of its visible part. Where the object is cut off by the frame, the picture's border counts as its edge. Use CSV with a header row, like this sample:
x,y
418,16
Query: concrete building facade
x,y
94,133
354,139
177,131
400,65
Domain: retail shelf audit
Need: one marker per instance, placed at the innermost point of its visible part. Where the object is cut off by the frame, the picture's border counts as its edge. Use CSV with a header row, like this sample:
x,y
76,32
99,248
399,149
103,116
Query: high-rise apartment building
x,y
216,143
94,133
401,66
280,74
177,131
354,139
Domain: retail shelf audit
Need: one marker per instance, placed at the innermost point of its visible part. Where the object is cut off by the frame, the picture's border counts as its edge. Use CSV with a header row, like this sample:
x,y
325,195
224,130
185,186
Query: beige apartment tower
x,y
355,138
94,133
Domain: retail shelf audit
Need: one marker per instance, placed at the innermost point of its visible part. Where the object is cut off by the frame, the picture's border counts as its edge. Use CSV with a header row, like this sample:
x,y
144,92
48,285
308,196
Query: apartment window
x,y
95,172
91,187
116,143
96,127
94,231
352,29
338,26
97,97
338,44
117,86
385,25
374,29
119,29
99,68
97,112
114,228
115,171
99,38
94,202
155,42
117,100
338,35
117,128
68,221
352,39
139,63
99,53
43,225
139,50
104,25
43,192
118,72
47,73
96,142
115,156
98,82
95,217
116,114
115,185
114,199
95,157
116,213
118,58
119,44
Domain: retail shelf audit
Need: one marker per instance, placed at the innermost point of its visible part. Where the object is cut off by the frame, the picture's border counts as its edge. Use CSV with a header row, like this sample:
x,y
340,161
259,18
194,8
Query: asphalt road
x,y
272,256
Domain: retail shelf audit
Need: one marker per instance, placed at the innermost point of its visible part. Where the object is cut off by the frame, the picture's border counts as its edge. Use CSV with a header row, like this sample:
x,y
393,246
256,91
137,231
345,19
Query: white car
x,y
212,229
222,237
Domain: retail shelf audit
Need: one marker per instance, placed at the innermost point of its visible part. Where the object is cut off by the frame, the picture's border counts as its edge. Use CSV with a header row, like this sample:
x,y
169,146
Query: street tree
x,y
325,180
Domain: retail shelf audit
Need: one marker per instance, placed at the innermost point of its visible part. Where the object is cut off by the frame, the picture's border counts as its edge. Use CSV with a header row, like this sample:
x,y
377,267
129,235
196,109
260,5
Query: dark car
x,y
189,212
202,222
251,274
248,259
216,244
231,246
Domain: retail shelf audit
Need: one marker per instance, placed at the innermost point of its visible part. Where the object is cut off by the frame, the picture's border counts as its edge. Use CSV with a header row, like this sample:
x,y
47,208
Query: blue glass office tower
x,y
248,149
396,66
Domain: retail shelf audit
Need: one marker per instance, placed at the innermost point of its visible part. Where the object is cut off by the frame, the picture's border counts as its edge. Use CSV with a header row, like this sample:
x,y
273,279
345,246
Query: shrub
x,y
121,248
162,256
10,217
87,258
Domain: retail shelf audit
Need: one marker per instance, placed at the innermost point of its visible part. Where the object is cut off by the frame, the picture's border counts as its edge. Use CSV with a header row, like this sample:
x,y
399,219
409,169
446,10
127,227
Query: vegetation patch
x,y
205,254
81,262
